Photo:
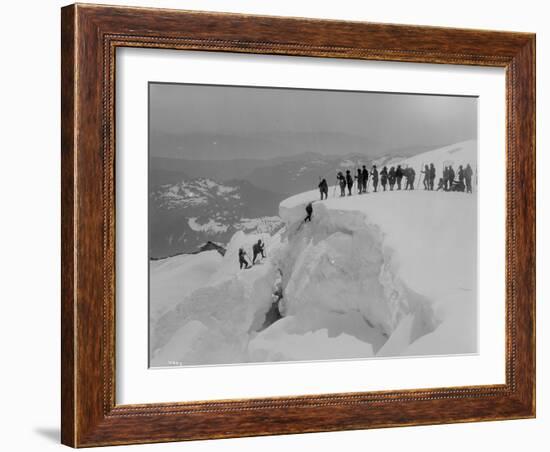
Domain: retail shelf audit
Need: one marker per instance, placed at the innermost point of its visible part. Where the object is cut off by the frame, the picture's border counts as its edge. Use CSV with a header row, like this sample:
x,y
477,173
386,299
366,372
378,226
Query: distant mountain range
x,y
185,215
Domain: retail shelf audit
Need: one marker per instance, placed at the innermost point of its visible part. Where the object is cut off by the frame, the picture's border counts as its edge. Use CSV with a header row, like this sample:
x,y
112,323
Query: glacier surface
x,y
374,275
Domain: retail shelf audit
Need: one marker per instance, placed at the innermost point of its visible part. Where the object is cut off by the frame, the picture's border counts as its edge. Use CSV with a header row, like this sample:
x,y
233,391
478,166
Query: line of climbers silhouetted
x,y
393,179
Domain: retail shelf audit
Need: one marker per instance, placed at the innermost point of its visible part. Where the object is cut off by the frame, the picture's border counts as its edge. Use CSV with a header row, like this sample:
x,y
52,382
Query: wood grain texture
x,y
68,147
90,36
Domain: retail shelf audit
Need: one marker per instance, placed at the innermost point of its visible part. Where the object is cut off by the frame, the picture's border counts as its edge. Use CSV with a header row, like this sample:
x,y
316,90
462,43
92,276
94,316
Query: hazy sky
x,y
224,122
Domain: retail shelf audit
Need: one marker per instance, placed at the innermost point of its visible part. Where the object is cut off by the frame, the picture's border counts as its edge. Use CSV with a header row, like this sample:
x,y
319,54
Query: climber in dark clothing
x,y
426,180
461,174
407,176
445,178
451,176
432,176
410,179
468,173
323,188
242,259
342,183
391,178
309,211
359,178
349,181
257,249
374,174
441,184
384,177
365,179
399,176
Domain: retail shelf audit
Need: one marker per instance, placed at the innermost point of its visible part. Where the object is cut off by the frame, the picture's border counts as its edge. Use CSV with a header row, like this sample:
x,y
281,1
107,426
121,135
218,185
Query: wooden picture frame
x,y
90,35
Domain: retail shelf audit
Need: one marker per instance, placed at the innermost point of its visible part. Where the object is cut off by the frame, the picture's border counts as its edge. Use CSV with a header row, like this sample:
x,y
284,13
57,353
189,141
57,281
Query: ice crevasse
x,y
363,279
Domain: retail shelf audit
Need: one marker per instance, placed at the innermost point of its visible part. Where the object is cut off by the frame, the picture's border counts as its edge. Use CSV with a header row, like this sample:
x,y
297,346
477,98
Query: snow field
x,y
385,274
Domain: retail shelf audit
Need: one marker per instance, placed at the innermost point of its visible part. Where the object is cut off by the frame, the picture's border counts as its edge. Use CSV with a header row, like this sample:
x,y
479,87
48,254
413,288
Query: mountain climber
x,y
323,188
461,174
342,182
257,249
349,181
426,180
391,177
451,176
365,179
359,178
412,176
242,259
445,178
398,176
374,174
407,176
309,211
468,173
384,177
432,176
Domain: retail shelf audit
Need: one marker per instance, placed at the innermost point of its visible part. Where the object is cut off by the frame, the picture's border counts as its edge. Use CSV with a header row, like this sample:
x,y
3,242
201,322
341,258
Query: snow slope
x,y
385,274
456,154
213,323
174,278
396,254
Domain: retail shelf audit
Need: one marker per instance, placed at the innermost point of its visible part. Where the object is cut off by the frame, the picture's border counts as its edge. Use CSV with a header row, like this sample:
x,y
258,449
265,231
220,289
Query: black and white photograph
x,y
292,224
